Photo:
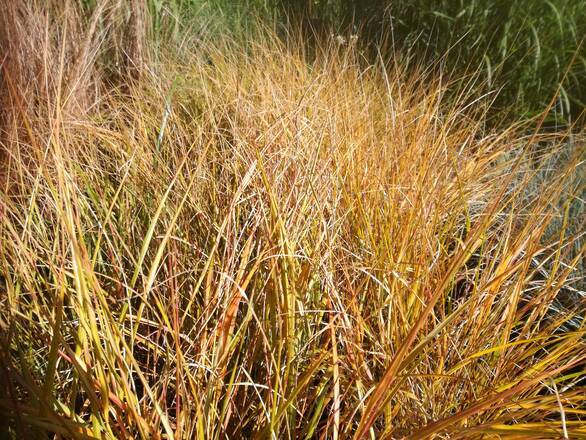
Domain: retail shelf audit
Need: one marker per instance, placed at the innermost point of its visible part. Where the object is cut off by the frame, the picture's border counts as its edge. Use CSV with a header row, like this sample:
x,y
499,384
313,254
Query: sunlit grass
x,y
228,241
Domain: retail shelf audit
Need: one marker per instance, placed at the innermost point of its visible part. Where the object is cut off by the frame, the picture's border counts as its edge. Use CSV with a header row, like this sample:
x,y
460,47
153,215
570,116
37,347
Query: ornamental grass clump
x,y
232,240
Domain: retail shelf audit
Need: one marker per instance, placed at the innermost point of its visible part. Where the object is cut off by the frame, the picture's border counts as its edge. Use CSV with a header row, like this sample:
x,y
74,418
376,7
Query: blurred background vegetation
x,y
522,48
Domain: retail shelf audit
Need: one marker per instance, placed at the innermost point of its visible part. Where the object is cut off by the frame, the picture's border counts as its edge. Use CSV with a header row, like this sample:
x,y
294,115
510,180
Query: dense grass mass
x,y
204,237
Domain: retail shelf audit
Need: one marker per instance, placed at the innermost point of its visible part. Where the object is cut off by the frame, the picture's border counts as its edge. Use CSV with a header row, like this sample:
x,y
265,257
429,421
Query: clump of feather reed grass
x,y
239,243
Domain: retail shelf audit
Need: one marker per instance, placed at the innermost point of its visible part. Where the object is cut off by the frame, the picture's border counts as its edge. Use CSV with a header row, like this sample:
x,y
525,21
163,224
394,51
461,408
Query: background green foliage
x,y
523,46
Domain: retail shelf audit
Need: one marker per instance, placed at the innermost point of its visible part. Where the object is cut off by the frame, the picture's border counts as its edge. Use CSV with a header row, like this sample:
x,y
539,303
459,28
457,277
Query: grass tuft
x,y
239,240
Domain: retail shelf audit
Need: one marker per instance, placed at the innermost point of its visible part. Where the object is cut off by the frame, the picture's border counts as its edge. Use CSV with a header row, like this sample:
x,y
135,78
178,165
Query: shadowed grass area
x,y
227,240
